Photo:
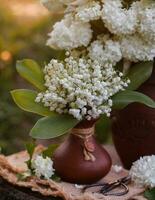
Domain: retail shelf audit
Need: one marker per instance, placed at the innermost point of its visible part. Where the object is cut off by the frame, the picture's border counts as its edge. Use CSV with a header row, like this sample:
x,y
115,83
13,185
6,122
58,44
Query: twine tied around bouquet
x,y
85,135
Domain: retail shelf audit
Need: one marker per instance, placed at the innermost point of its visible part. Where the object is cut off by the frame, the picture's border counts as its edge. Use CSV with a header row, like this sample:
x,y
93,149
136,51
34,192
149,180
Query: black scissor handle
x,y
108,193
106,188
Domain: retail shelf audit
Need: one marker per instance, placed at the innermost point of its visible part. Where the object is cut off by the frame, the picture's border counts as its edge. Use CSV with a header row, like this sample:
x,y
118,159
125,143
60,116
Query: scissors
x,y
107,188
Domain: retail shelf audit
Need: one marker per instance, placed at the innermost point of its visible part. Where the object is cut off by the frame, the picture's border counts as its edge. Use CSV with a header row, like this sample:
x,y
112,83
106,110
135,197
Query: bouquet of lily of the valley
x,y
105,52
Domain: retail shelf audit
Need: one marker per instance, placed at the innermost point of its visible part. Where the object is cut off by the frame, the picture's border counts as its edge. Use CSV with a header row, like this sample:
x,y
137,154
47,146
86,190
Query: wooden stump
x,y
10,192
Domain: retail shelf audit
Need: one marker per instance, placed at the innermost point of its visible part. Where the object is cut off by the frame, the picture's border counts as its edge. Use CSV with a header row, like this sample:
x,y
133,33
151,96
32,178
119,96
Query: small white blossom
x,y
43,167
143,171
81,87
69,34
79,186
117,168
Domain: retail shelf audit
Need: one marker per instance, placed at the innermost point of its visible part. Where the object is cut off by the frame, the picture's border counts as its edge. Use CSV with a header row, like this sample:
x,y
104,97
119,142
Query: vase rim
x,y
84,124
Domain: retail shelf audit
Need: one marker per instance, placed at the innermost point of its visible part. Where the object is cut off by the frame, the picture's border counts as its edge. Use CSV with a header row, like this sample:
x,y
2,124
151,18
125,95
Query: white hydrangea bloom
x,y
80,87
110,52
147,22
89,11
118,19
69,34
135,48
43,167
133,29
143,171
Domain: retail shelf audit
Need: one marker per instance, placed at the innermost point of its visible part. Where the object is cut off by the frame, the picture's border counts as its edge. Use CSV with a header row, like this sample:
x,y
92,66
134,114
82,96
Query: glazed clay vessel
x,y
134,128
80,159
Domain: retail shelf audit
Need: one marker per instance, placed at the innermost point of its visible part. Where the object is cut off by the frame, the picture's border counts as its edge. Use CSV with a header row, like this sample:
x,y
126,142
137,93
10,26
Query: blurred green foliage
x,y
18,39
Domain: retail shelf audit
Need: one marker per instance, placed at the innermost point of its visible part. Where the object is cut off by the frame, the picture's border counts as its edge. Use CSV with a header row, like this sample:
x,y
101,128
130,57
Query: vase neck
x,y
83,131
85,124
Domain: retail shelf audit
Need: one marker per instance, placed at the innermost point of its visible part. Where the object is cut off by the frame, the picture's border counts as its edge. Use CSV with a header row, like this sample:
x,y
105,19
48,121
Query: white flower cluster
x,y
117,19
143,171
81,87
105,52
101,33
132,28
43,167
134,48
147,22
69,34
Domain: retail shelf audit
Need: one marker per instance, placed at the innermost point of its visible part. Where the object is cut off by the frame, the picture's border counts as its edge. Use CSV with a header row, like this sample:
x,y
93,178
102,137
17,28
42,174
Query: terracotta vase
x,y
80,159
134,127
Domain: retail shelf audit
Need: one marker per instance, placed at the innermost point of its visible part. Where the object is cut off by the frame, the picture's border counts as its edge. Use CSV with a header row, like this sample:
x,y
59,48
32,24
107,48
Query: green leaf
x,y
25,99
30,147
50,150
23,176
52,127
138,74
122,99
32,72
103,128
150,194
56,178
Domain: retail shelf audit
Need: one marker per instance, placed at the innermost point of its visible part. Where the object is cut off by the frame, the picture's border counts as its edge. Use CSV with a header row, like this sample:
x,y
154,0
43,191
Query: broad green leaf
x,y
52,127
50,150
138,74
25,99
122,99
150,194
30,147
32,72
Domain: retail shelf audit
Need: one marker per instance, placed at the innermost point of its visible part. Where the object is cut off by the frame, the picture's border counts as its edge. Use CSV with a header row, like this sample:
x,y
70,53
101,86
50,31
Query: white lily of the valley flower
x,y
81,87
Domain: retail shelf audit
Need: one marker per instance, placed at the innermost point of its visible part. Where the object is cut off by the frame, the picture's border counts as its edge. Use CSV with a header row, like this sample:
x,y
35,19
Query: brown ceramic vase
x,y
134,127
80,159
